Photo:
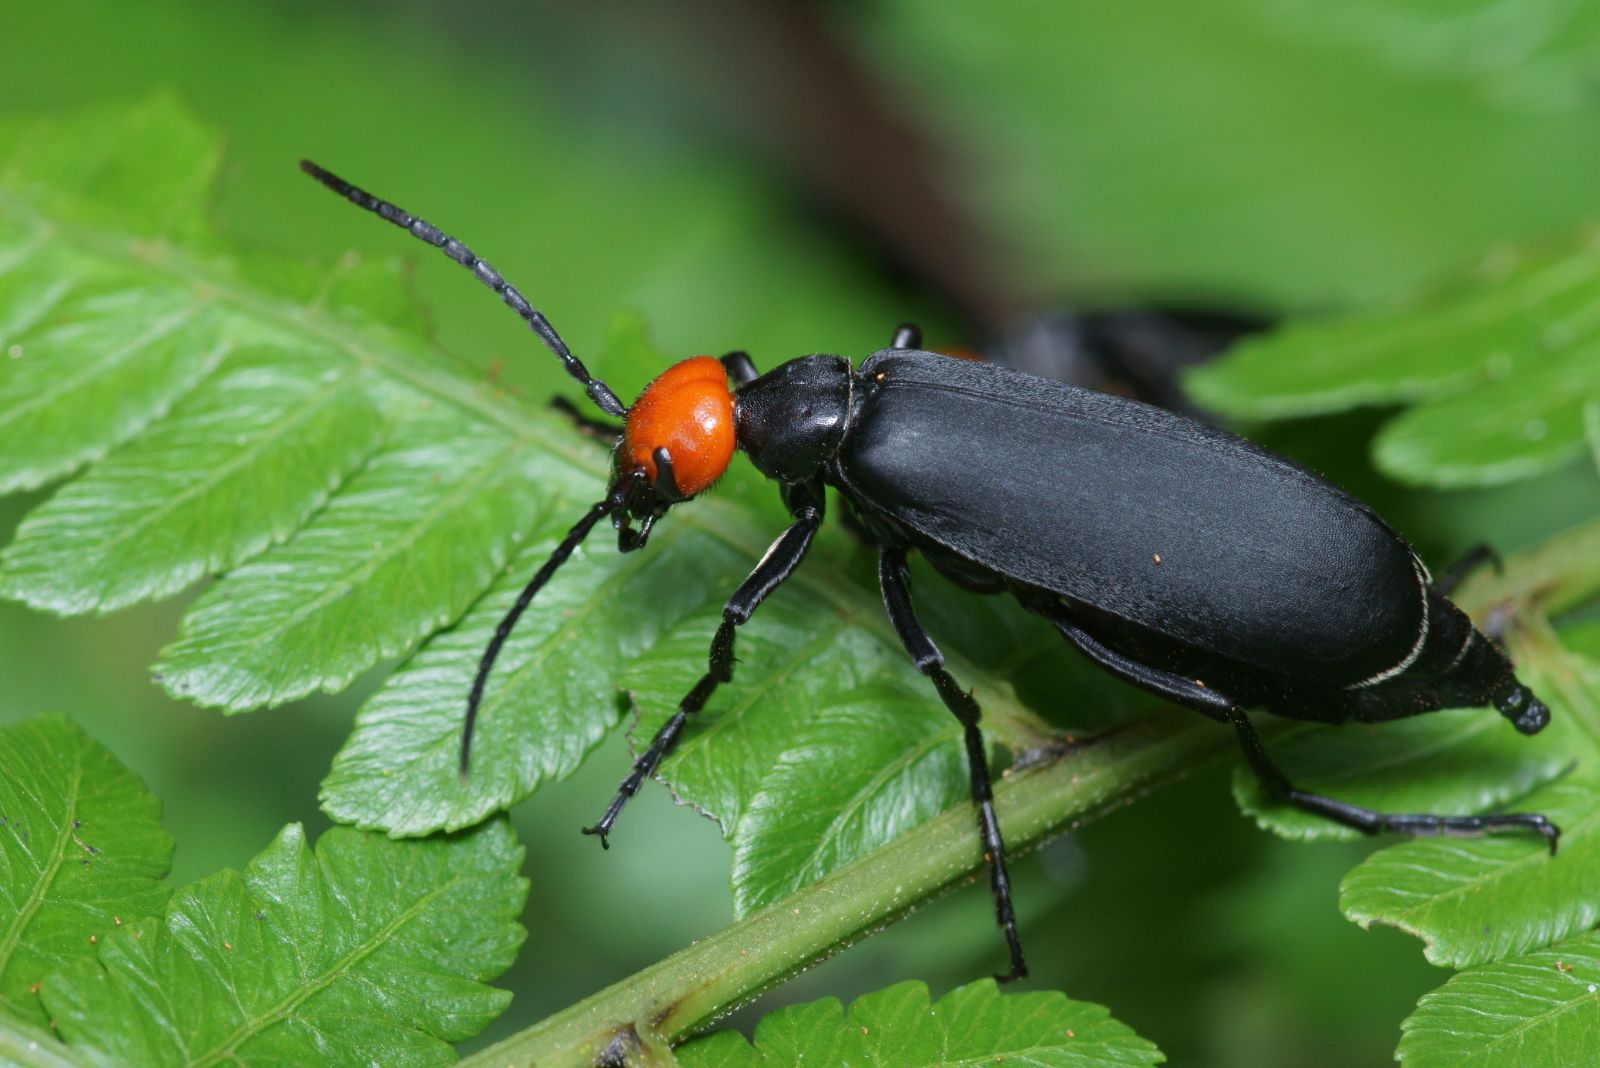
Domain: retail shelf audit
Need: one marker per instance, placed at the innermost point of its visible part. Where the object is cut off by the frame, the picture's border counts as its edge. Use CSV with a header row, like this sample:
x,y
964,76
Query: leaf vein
x,y
47,873
44,397
331,974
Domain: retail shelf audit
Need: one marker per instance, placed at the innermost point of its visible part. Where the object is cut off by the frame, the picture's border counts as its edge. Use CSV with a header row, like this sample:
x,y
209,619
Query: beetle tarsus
x,y
1019,970
1424,824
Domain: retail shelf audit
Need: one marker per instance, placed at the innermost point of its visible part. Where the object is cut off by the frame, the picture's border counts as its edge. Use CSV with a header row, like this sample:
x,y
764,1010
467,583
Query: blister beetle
x,y
1187,561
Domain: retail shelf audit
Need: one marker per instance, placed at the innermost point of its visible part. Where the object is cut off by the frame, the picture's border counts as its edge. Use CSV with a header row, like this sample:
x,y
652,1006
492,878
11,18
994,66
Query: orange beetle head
x,y
688,412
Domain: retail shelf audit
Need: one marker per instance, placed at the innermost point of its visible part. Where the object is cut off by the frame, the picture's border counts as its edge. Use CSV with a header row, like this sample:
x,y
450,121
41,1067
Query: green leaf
x,y
27,1046
81,851
140,168
1387,140
104,364
240,464
1542,1008
810,675
369,497
798,656
1583,639
1591,429
366,951
1477,900
1524,427
1456,762
1500,372
403,549
855,776
550,700
1473,901
901,1027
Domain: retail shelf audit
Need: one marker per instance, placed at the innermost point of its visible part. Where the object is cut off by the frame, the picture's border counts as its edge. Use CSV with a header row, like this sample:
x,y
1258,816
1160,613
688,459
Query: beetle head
x,y
676,443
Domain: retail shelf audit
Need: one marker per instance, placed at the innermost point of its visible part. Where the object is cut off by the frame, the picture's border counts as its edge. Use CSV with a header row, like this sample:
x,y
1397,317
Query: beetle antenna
x,y
423,230
596,512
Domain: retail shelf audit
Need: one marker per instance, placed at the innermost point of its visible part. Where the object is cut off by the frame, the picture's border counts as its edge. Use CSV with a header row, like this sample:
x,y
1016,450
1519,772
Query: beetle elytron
x,y
1178,557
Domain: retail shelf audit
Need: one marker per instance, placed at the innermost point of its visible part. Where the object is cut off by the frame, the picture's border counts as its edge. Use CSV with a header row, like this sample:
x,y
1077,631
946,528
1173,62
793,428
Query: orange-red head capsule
x,y
688,410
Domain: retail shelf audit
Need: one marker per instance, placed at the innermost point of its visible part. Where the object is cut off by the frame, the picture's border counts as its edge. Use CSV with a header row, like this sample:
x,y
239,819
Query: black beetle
x,y
1178,557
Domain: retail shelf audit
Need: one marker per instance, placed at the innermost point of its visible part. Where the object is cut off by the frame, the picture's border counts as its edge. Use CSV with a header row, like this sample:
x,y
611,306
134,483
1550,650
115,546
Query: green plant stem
x,y
675,996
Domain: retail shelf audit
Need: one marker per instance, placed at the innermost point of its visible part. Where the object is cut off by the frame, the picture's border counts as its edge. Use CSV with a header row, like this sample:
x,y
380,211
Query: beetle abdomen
x,y
1166,523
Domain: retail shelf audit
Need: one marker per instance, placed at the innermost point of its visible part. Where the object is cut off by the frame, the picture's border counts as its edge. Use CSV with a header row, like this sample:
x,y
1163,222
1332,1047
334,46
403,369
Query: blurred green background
x,y
790,178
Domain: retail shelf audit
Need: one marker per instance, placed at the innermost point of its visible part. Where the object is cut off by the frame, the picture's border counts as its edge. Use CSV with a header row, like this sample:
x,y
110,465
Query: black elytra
x,y
1178,557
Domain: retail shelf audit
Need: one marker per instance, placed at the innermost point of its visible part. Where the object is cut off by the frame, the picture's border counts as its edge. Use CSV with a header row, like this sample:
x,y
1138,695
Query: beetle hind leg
x,y
1469,561
1519,705
1369,821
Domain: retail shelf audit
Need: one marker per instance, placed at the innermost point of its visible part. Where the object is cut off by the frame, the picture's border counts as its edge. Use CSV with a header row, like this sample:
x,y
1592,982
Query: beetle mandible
x,y
1189,562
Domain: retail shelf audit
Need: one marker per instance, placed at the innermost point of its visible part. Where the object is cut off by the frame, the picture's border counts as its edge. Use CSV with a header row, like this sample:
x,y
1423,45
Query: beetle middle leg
x,y
897,601
1190,693
806,505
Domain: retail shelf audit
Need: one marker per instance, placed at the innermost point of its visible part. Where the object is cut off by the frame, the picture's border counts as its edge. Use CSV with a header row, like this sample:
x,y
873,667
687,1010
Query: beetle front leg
x,y
778,563
897,601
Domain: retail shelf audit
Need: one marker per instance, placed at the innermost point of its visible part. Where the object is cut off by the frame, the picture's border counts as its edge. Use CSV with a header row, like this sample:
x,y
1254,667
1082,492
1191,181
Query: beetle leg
x,y
778,563
907,336
1189,693
1479,554
1220,707
598,429
666,483
1365,819
740,367
897,601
